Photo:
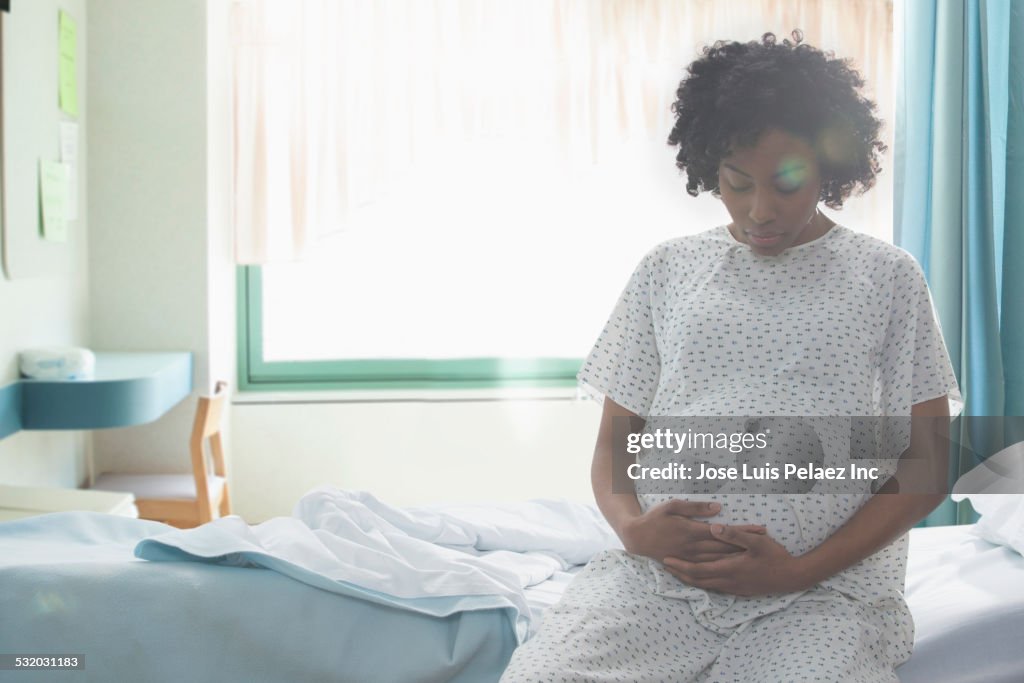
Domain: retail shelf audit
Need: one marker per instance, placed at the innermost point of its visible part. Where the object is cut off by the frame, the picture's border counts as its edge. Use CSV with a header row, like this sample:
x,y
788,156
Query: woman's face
x,y
771,191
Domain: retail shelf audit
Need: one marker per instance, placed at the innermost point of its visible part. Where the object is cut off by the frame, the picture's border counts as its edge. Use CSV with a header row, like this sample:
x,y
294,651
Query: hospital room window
x,y
474,182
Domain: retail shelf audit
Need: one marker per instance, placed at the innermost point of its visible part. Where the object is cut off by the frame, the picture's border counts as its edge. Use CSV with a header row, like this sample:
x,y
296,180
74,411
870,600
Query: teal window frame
x,y
257,374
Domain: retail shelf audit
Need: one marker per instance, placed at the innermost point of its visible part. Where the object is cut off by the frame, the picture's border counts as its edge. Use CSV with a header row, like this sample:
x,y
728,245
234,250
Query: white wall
x,y
159,252
220,300
412,453
51,310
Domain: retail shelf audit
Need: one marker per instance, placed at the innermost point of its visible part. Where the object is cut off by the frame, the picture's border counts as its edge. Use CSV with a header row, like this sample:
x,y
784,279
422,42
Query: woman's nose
x,y
761,209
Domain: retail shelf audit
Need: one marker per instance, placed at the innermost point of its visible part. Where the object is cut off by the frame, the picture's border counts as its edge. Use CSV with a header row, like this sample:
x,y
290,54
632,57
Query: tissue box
x,y
57,363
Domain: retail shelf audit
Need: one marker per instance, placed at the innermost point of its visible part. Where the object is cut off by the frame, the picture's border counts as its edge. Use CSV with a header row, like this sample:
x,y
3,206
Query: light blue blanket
x,y
438,560
69,583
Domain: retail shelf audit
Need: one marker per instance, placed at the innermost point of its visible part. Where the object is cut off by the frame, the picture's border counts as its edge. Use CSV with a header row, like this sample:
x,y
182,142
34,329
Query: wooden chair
x,y
184,500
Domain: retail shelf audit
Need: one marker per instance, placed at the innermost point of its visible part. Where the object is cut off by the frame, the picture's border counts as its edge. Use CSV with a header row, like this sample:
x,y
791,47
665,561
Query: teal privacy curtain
x,y
959,198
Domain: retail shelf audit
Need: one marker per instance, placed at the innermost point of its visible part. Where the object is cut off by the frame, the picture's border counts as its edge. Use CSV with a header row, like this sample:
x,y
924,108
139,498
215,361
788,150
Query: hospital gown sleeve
x,y
624,364
914,363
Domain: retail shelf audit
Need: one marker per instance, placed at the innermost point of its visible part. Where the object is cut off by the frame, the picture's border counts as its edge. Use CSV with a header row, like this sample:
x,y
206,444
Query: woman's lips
x,y
764,239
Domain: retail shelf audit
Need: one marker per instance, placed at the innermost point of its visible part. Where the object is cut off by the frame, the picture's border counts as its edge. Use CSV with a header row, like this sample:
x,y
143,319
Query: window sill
x,y
409,395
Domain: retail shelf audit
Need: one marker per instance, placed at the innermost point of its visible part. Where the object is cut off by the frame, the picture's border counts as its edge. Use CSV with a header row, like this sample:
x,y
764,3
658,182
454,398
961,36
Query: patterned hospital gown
x,y
839,326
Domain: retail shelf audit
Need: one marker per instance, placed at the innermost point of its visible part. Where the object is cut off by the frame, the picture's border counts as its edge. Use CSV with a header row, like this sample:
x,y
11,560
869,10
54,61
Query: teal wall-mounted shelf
x,y
126,389
10,409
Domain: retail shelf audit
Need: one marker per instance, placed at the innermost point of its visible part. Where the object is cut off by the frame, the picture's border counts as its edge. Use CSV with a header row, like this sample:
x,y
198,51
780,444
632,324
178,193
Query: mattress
x,y
967,598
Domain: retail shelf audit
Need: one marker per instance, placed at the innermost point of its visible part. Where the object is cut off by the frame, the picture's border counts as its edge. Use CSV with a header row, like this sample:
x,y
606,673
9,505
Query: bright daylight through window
x,y
476,180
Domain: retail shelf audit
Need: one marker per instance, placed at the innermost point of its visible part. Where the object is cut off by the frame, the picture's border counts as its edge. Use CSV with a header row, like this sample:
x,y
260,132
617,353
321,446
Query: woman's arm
x,y
887,516
618,508
767,567
664,531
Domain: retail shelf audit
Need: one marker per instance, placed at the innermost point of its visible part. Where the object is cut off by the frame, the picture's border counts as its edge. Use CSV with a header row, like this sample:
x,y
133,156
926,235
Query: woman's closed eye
x,y
746,188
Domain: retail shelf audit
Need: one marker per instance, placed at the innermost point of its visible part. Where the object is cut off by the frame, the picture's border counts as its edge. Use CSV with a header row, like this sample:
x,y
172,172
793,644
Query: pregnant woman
x,y
781,313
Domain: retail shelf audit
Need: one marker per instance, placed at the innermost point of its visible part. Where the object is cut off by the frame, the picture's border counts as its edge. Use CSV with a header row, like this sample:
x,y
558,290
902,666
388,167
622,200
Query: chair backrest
x,y
207,426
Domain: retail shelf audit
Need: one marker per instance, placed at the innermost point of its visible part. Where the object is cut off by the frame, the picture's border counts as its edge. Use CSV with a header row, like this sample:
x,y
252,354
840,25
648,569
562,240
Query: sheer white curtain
x,y
340,105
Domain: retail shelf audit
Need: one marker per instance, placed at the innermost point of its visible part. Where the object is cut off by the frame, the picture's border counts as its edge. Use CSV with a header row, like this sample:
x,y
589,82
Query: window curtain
x,y
959,204
336,100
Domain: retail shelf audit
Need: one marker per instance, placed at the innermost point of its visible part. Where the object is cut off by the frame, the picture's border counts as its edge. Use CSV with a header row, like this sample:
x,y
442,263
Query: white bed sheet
x,y
967,598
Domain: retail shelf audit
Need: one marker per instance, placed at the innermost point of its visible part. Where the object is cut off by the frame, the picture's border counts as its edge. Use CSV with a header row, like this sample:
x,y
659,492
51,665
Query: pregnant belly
x,y
798,521
749,488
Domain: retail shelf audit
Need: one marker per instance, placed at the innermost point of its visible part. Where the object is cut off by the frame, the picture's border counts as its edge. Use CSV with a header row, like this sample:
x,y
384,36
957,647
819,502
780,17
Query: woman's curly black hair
x,y
736,90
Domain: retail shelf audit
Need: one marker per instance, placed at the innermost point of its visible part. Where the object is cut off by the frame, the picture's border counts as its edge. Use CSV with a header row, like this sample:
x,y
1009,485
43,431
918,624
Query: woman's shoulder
x,y
876,255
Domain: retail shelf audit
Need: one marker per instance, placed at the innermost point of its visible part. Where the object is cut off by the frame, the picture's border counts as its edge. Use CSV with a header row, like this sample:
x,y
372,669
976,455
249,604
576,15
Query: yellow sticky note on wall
x,y
53,198
68,77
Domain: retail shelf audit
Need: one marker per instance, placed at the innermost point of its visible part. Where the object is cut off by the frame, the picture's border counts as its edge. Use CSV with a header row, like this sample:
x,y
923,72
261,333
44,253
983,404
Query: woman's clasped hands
x,y
739,560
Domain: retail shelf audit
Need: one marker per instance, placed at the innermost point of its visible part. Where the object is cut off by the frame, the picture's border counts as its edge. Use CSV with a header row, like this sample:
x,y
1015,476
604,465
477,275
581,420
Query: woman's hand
x,y
763,566
668,531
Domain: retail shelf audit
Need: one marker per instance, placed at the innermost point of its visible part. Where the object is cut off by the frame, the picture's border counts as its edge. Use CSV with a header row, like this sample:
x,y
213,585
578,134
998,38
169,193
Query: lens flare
x,y
48,602
837,145
792,173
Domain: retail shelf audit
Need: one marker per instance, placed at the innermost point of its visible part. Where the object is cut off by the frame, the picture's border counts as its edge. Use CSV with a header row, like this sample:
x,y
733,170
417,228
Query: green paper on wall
x,y
53,197
68,78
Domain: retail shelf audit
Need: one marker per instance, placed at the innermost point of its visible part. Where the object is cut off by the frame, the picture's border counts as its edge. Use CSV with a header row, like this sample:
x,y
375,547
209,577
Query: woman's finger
x,y
737,536
712,546
711,557
688,508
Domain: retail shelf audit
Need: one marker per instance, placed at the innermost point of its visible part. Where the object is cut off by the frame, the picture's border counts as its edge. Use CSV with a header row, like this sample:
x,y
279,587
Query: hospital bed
x,y
202,621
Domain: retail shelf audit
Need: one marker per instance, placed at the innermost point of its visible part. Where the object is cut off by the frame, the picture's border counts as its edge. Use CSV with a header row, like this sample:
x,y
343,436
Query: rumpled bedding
x,y
435,560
